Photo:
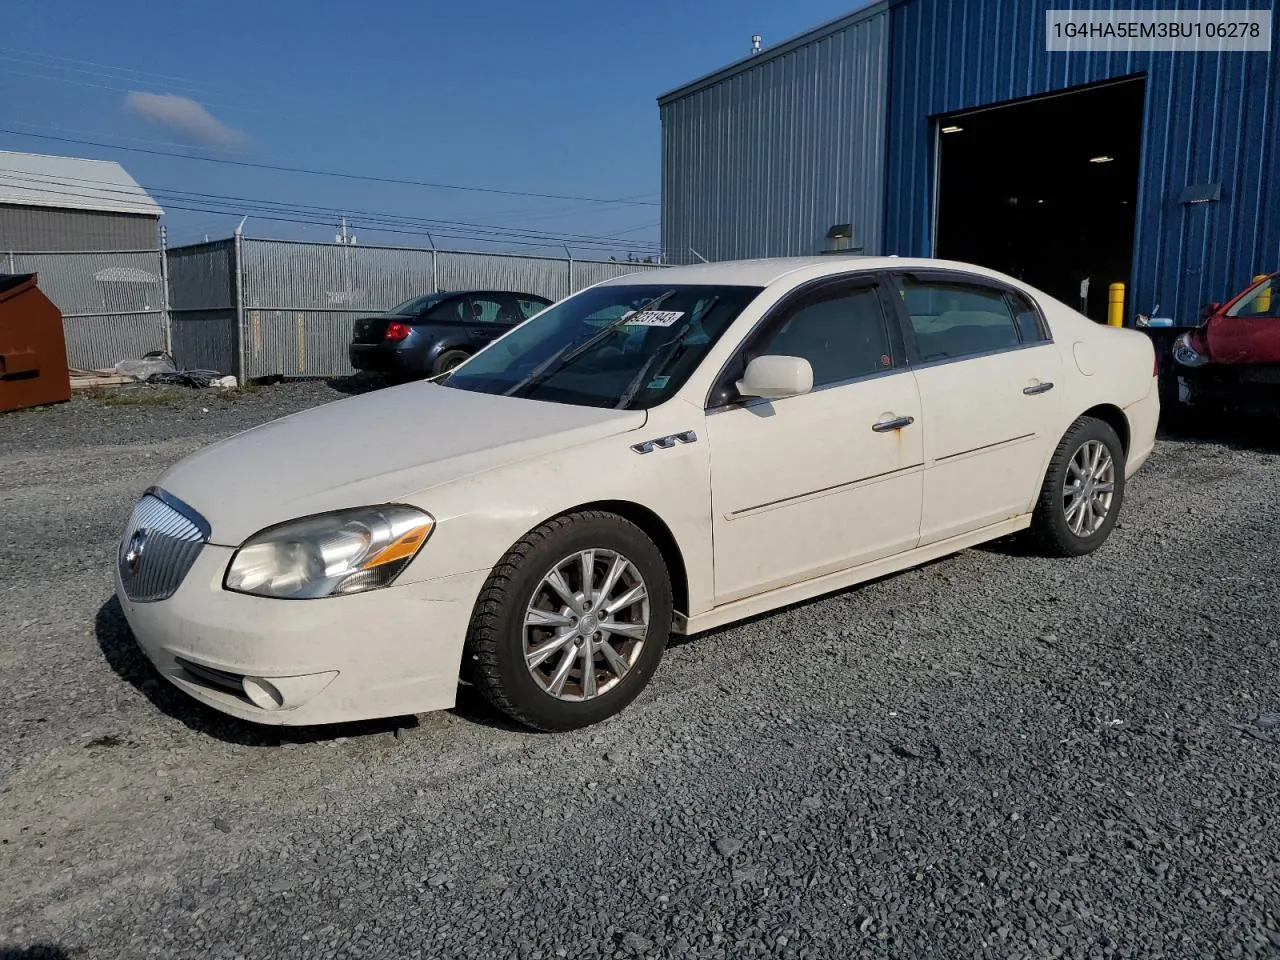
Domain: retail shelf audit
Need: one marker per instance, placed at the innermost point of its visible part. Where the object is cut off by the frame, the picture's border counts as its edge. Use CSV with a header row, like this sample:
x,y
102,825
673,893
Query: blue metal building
x,y
806,128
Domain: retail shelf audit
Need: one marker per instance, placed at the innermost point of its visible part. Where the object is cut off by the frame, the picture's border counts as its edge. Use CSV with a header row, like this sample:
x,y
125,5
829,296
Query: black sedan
x,y
428,335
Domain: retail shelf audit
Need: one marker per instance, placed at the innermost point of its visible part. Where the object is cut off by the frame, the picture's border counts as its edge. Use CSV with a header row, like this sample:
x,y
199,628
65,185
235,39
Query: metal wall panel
x,y
57,230
1209,118
588,272
764,157
113,304
202,298
546,276
99,343
200,276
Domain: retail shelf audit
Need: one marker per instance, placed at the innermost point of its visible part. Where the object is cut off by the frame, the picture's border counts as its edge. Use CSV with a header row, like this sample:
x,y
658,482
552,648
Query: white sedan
x,y
665,452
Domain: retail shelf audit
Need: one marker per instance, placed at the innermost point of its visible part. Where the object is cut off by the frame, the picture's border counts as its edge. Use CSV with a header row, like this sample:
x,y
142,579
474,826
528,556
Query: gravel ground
x,y
995,755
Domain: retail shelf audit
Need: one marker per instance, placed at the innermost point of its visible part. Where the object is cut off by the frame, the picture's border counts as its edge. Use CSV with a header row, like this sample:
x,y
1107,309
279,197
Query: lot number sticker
x,y
654,318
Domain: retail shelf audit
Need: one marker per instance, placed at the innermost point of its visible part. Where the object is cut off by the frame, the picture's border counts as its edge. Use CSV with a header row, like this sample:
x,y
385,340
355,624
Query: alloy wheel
x,y
586,624
1089,488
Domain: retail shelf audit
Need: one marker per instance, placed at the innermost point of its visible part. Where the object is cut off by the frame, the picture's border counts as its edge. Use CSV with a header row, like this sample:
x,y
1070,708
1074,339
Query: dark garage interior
x,y
1045,189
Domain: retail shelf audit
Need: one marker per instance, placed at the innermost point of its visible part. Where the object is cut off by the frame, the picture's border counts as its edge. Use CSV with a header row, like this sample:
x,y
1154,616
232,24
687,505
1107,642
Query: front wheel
x,y
572,622
1083,490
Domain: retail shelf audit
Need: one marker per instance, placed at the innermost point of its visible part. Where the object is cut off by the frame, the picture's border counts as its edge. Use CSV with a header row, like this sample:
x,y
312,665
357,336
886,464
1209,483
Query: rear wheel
x,y
447,361
1083,490
572,622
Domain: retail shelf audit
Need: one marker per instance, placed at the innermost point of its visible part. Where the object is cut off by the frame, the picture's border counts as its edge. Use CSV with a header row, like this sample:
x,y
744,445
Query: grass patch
x,y
126,397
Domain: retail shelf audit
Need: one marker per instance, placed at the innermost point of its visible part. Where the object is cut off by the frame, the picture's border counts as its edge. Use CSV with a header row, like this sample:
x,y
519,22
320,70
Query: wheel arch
x,y
1113,417
656,529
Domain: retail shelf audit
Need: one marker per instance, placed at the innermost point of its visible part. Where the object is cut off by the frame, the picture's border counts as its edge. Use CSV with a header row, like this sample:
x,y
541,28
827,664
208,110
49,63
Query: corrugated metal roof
x,y
751,61
37,180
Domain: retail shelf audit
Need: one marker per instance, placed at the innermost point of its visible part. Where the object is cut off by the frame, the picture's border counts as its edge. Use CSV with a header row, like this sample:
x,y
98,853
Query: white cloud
x,y
187,118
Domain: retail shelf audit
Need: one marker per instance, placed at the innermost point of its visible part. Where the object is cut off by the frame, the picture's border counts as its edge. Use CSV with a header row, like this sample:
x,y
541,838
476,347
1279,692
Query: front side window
x,y
627,346
954,319
1258,302
842,334
483,309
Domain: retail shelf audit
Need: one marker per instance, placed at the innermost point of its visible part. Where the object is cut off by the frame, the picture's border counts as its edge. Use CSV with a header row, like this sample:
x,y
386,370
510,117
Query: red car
x,y
1233,357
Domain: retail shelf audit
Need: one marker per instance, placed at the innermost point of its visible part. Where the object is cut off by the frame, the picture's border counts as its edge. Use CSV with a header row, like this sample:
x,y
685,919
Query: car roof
x,y
762,273
476,290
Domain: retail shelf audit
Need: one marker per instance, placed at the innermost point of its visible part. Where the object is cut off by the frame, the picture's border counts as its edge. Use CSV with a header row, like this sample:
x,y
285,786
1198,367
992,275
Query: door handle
x,y
897,423
1037,388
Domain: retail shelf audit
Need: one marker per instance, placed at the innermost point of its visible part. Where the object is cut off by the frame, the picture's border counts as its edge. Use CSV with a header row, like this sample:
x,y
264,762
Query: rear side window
x,y
449,310
955,319
1027,317
842,334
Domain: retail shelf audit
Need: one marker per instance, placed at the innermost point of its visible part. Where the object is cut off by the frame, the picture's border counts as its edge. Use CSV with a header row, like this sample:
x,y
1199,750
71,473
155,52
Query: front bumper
x,y
384,653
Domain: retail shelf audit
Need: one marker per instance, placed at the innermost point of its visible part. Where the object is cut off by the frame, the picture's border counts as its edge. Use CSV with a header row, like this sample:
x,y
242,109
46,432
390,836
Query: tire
x,y
520,588
1058,529
447,361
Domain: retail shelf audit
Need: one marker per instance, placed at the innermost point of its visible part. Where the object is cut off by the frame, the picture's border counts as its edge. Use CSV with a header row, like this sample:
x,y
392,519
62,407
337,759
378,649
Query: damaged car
x,y
1233,358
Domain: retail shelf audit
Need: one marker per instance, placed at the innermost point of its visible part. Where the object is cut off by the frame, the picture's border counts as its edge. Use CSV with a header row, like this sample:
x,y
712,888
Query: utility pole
x,y
345,236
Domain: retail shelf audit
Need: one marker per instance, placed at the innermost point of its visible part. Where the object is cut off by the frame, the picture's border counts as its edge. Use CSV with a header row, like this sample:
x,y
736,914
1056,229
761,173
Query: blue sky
x,y
554,98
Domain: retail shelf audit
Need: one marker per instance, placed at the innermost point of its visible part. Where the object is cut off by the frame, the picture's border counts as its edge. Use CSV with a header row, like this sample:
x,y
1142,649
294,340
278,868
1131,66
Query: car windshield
x,y
625,346
411,308
1258,302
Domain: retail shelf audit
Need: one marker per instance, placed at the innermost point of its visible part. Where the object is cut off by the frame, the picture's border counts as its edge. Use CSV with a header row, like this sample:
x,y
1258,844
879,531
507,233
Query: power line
x,y
389,225
240,205
330,173
142,74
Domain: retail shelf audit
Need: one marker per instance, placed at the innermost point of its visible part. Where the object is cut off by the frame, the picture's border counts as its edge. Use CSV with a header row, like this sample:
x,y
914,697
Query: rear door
x,y
986,370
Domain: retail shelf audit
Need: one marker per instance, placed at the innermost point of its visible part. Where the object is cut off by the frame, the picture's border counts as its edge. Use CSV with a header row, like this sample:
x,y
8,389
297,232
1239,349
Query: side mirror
x,y
776,378
1209,309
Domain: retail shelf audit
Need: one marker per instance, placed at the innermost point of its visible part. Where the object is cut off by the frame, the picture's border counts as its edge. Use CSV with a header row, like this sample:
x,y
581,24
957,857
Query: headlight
x,y
348,551
1185,353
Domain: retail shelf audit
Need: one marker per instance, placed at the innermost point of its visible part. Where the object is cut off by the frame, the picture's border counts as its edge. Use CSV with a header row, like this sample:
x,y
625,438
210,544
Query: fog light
x,y
263,693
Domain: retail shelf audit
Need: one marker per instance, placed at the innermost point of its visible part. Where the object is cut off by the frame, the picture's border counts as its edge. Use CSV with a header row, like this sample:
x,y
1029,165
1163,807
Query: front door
x,y
827,480
986,370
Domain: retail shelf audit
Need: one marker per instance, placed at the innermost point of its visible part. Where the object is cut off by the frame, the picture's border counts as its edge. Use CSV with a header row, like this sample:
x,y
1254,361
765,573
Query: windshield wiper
x,y
568,353
665,353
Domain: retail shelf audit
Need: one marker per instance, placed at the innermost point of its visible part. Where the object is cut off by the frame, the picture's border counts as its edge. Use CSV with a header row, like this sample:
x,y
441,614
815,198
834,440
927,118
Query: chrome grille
x,y
161,542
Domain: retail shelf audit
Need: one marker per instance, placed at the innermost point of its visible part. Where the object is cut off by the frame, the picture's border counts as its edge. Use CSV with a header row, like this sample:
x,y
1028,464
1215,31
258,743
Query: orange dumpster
x,y
33,350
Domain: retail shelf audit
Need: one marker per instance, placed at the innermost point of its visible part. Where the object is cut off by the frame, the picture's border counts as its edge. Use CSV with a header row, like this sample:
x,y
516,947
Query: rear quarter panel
x,y
1105,366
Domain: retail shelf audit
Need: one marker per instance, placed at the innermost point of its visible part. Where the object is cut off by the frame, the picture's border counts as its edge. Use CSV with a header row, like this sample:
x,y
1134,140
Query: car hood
x,y
380,447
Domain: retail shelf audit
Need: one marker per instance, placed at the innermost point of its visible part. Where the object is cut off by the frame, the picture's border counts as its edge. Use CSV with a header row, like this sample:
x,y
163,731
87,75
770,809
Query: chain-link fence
x,y
265,308
113,304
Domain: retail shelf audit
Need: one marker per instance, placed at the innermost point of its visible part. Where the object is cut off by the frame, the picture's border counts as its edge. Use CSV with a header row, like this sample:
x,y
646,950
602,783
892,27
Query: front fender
x,y
478,519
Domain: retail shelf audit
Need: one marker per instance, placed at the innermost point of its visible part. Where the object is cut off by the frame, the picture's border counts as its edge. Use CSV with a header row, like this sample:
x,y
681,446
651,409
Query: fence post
x,y
11,270
435,273
237,281
165,317
569,253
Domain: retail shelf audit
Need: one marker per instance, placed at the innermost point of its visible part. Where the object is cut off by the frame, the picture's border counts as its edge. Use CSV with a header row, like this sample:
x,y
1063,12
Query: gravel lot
x,y
997,755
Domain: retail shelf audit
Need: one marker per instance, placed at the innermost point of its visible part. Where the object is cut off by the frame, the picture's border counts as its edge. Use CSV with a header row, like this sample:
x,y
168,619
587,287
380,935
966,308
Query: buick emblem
x,y
133,552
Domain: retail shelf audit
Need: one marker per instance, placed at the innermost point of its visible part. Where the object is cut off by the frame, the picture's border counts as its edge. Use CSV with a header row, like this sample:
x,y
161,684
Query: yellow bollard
x,y
1262,306
1115,305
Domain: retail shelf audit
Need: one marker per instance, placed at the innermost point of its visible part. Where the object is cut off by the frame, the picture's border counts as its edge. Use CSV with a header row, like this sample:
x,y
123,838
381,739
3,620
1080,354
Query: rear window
x,y
956,319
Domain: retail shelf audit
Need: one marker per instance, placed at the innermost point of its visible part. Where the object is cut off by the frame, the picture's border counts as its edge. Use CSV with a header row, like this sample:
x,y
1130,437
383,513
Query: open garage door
x,y
1045,189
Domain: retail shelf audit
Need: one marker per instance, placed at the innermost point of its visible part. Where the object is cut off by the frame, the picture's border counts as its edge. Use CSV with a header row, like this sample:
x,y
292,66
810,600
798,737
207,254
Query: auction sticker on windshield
x,y
653,318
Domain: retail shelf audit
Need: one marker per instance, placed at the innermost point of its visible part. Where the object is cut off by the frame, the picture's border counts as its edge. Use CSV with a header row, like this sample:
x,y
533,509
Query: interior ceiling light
x,y
952,129
1101,159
